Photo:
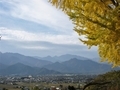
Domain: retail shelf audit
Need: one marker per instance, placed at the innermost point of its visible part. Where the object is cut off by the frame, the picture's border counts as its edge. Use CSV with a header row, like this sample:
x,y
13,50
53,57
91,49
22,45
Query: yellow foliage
x,y
99,21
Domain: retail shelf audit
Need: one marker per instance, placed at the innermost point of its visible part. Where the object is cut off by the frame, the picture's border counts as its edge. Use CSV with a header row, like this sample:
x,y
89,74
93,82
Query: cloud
x,y
40,11
21,35
35,27
42,48
42,44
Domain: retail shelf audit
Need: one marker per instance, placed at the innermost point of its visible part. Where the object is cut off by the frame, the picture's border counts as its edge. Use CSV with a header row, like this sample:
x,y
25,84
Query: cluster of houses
x,y
79,80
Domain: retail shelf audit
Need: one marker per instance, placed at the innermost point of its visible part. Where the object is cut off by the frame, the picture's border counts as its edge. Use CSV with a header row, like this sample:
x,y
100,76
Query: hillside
x,y
2,66
107,81
13,58
80,66
67,64
21,69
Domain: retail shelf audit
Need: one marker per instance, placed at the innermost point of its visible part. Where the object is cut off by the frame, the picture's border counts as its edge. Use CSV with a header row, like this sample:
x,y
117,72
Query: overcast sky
x,y
36,28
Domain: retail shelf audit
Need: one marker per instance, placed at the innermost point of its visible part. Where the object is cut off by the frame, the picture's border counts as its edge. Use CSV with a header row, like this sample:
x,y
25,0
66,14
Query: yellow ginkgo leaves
x,y
99,22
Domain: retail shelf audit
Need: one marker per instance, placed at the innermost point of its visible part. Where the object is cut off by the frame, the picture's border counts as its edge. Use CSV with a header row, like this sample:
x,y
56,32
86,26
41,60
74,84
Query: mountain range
x,y
2,66
21,69
62,58
14,63
80,66
13,58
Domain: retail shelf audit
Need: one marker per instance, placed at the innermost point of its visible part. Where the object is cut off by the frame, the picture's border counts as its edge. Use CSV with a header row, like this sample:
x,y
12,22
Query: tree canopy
x,y
99,22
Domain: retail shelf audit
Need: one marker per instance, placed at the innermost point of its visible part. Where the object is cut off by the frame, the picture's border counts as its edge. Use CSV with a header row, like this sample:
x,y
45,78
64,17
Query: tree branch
x,y
95,83
115,2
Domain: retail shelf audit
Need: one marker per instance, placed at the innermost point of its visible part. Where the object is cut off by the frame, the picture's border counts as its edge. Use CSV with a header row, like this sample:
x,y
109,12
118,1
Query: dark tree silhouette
x,y
71,88
95,83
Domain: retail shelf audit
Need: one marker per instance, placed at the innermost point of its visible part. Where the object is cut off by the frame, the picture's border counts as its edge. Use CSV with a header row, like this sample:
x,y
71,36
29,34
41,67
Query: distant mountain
x,y
62,58
13,58
2,66
80,66
14,63
97,59
57,66
21,69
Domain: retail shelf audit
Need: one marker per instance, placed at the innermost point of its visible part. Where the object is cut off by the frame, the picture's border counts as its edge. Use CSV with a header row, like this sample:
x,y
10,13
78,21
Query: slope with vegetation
x,y
108,81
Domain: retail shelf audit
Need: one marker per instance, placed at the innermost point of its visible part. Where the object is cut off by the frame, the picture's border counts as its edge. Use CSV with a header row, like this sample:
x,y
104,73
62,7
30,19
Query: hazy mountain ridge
x,y
13,58
80,66
19,64
21,69
62,58
2,66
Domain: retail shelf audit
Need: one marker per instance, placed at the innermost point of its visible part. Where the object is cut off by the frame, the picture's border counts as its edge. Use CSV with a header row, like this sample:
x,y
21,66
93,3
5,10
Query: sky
x,y
36,28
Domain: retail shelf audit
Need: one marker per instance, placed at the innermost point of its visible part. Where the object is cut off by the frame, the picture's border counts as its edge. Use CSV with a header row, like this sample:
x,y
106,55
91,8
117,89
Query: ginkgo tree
x,y
99,22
